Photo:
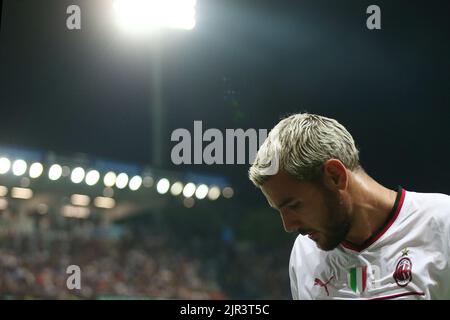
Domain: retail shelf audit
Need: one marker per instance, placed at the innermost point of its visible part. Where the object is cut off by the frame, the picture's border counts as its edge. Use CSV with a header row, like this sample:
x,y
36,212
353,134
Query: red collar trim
x,y
393,216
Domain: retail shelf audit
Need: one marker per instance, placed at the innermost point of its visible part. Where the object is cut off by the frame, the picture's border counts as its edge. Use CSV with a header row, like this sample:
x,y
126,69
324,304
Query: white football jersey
x,y
407,259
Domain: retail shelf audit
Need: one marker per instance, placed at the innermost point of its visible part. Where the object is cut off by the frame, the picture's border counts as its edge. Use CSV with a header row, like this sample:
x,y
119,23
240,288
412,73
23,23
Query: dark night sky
x,y
89,91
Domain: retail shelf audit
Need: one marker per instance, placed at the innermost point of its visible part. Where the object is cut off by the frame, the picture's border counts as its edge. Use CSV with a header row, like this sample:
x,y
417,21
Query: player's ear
x,y
335,176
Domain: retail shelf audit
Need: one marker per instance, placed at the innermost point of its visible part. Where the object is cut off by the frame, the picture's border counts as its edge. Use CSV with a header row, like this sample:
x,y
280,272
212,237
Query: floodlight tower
x,y
149,16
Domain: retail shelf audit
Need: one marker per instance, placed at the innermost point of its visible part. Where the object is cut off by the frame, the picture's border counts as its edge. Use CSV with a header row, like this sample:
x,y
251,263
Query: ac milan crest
x,y
403,270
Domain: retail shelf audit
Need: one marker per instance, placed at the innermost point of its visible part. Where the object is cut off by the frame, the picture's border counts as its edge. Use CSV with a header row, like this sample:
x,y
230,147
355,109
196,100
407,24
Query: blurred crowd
x,y
134,264
110,268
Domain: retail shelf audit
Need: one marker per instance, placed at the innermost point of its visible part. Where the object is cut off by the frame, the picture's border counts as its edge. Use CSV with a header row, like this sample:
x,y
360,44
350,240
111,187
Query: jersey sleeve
x,y
441,209
442,204
447,226
294,265
293,279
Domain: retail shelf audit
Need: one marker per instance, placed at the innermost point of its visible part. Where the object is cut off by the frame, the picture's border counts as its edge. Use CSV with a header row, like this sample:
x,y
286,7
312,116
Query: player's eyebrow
x,y
282,204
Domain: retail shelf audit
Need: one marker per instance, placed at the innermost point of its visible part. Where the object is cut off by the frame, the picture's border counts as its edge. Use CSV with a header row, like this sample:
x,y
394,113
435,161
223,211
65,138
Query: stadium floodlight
x,y
135,183
92,177
80,200
19,167
104,202
214,193
110,179
122,180
55,171
227,192
77,175
3,191
189,190
176,188
202,191
21,193
5,165
147,15
36,170
163,186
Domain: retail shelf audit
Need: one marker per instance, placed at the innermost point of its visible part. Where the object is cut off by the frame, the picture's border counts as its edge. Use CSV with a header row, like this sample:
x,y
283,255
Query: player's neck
x,y
372,204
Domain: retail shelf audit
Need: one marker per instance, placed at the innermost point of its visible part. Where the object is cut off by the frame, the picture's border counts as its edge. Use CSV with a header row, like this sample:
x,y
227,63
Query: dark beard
x,y
339,222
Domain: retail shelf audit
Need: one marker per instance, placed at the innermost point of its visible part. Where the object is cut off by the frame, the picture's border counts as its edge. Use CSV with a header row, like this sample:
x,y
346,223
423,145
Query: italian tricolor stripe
x,y
358,279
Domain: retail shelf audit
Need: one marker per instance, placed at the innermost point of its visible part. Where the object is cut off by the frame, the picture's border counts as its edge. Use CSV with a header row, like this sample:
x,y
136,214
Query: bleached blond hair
x,y
302,143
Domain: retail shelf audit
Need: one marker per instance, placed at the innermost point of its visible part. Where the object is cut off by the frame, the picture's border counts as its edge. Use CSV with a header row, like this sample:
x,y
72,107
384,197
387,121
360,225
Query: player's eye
x,y
294,205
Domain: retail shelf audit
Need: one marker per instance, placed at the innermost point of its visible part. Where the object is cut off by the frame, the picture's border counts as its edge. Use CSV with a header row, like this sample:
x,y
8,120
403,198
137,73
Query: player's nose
x,y
290,224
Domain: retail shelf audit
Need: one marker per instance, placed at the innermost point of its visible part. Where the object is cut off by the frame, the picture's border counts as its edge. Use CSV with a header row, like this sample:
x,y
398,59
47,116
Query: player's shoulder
x,y
304,250
304,244
433,205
